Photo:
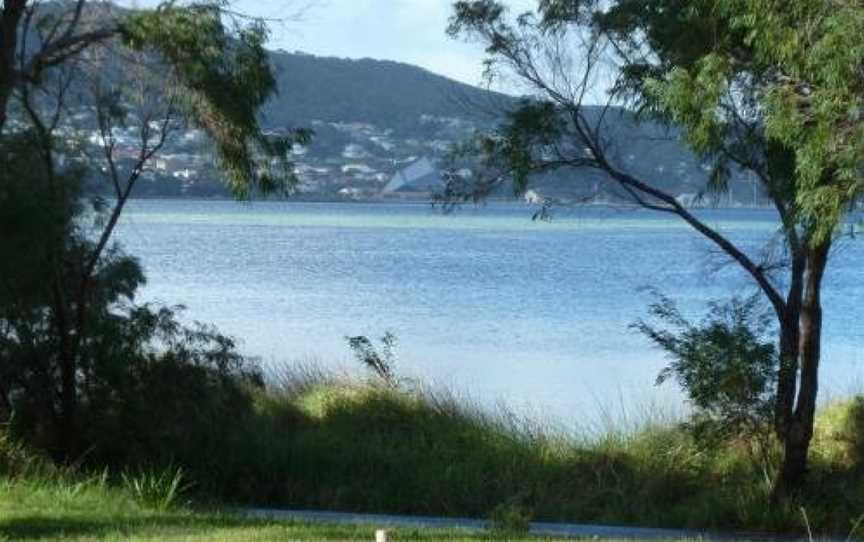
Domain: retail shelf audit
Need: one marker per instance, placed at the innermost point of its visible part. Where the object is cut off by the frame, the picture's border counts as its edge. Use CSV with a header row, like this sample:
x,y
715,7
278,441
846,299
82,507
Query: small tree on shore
x,y
726,364
773,88
90,67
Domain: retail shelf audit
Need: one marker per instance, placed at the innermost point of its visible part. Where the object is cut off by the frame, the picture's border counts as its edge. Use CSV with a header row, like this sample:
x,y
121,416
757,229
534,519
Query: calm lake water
x,y
534,315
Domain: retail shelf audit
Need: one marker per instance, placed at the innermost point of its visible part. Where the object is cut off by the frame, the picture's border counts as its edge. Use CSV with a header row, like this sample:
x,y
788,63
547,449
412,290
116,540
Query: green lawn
x,y
91,510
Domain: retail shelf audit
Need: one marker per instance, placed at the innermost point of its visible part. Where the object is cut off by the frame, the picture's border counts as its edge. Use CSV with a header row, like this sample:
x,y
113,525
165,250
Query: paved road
x,y
549,529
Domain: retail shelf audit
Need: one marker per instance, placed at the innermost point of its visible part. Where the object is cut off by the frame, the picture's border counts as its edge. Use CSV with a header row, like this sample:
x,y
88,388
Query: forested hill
x,y
372,118
381,92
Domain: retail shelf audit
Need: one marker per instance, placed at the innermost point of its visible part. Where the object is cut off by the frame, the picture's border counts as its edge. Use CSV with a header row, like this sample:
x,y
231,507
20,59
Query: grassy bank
x,y
336,444
90,510
320,442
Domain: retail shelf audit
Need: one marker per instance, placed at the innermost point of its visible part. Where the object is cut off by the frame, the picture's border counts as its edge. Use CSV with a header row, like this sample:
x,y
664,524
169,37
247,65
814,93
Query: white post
x,y
380,535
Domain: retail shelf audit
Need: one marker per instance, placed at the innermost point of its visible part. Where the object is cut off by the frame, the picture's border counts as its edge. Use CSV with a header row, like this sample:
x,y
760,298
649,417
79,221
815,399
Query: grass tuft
x,y
160,490
331,442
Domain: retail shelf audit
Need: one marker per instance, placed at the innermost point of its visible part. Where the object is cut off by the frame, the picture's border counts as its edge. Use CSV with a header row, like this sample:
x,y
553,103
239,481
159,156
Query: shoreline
x,y
428,202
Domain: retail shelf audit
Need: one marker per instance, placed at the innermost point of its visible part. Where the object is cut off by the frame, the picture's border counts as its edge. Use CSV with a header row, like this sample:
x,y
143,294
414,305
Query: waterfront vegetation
x,y
312,440
141,417
55,506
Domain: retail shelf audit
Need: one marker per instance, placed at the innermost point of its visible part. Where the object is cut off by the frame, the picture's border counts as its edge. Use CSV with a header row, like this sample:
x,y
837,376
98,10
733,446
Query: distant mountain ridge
x,y
382,92
374,118
405,99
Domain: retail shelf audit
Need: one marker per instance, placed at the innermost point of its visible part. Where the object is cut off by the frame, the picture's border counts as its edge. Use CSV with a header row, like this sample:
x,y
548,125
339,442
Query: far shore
x,y
427,201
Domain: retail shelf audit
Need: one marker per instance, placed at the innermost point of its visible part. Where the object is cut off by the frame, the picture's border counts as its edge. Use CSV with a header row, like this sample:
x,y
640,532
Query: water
x,y
485,301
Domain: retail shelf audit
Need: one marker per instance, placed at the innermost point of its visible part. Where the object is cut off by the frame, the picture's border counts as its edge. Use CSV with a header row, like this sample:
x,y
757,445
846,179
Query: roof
x,y
420,176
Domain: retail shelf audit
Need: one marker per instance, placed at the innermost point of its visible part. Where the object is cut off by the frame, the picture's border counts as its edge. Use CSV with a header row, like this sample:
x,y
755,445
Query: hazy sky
x,y
410,31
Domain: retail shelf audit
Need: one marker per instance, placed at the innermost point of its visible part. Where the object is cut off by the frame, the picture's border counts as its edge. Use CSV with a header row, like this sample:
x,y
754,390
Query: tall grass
x,y
27,473
353,445
158,490
322,440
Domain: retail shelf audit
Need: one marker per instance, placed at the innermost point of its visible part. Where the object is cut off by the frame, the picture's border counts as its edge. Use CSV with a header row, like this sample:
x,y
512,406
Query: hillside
x,y
385,93
375,117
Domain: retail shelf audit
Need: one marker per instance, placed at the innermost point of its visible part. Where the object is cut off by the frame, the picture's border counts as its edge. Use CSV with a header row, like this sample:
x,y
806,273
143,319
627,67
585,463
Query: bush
x,y
15,459
510,518
726,364
158,393
383,364
86,375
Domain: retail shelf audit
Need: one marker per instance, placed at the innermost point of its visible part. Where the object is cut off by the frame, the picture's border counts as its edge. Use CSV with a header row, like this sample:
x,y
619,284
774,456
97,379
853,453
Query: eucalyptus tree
x,y
769,87
69,70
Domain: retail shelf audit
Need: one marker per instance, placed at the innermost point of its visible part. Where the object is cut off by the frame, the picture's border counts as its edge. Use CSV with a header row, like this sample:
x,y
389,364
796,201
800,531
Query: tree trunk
x,y
66,419
799,431
5,94
68,430
5,407
790,337
10,18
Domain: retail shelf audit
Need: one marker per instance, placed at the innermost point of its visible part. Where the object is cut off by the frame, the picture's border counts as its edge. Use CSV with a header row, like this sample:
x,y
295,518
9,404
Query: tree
x,y
89,67
759,86
726,365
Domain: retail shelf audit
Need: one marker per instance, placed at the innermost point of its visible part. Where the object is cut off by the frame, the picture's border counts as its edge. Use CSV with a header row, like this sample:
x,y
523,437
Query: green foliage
x,y
34,509
366,448
153,393
33,217
693,101
526,143
46,247
157,491
221,77
72,345
771,88
509,519
800,64
142,378
15,459
746,80
556,51
840,433
354,447
726,364
381,364
531,125
160,394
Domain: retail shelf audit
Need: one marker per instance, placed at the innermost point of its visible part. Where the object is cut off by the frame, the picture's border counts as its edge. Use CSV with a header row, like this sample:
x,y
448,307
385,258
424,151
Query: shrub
x,y
382,364
158,392
15,459
510,518
726,364
159,491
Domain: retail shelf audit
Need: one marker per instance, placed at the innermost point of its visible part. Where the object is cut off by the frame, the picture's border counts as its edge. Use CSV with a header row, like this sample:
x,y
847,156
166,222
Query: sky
x,y
411,31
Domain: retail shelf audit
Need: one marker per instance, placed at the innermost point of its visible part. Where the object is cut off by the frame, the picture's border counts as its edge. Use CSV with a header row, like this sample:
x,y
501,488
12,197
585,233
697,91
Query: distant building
x,y
532,197
354,151
357,168
351,193
185,174
383,142
420,177
689,199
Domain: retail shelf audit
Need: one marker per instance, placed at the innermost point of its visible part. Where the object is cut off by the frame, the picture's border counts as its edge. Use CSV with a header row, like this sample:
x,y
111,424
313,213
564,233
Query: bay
x,y
501,309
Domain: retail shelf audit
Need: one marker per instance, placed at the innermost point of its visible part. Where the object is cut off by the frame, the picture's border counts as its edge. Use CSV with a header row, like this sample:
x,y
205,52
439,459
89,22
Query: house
x,y
185,174
420,177
349,169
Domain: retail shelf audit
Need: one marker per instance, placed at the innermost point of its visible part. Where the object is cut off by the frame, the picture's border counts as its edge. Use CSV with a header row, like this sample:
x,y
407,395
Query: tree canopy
x,y
769,87
74,75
